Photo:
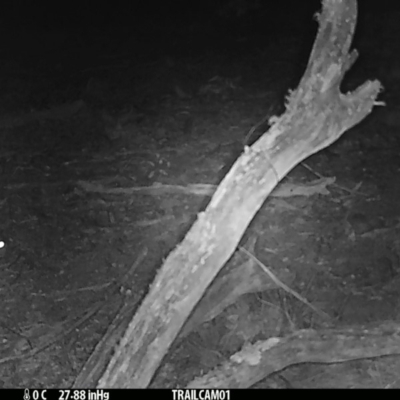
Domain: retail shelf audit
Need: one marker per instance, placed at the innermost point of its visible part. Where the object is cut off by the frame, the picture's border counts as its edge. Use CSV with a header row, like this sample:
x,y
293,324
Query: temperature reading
x,y
35,394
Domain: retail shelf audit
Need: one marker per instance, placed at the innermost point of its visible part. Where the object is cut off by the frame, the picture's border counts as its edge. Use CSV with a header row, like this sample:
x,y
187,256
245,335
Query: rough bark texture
x,y
316,115
257,361
236,280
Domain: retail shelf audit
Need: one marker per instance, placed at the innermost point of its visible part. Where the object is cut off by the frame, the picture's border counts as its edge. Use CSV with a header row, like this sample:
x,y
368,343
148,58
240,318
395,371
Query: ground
x,y
139,114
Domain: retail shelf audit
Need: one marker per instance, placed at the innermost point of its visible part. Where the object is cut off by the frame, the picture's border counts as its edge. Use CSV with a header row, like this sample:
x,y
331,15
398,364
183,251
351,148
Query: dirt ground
x,y
76,123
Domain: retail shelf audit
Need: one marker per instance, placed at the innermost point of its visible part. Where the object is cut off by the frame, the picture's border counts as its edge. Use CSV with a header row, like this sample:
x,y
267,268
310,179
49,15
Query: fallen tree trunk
x,y
236,279
254,362
316,115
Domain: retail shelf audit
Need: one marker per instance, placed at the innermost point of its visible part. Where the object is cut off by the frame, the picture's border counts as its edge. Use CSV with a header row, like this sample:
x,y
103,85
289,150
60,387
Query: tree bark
x,y
255,362
316,115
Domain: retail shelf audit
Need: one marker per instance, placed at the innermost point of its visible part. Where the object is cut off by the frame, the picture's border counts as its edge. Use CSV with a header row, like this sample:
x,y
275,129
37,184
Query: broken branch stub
x,y
316,115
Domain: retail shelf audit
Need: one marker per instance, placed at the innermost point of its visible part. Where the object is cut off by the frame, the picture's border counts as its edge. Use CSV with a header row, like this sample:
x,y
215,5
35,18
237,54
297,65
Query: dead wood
x,y
236,279
319,186
255,362
316,115
97,361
